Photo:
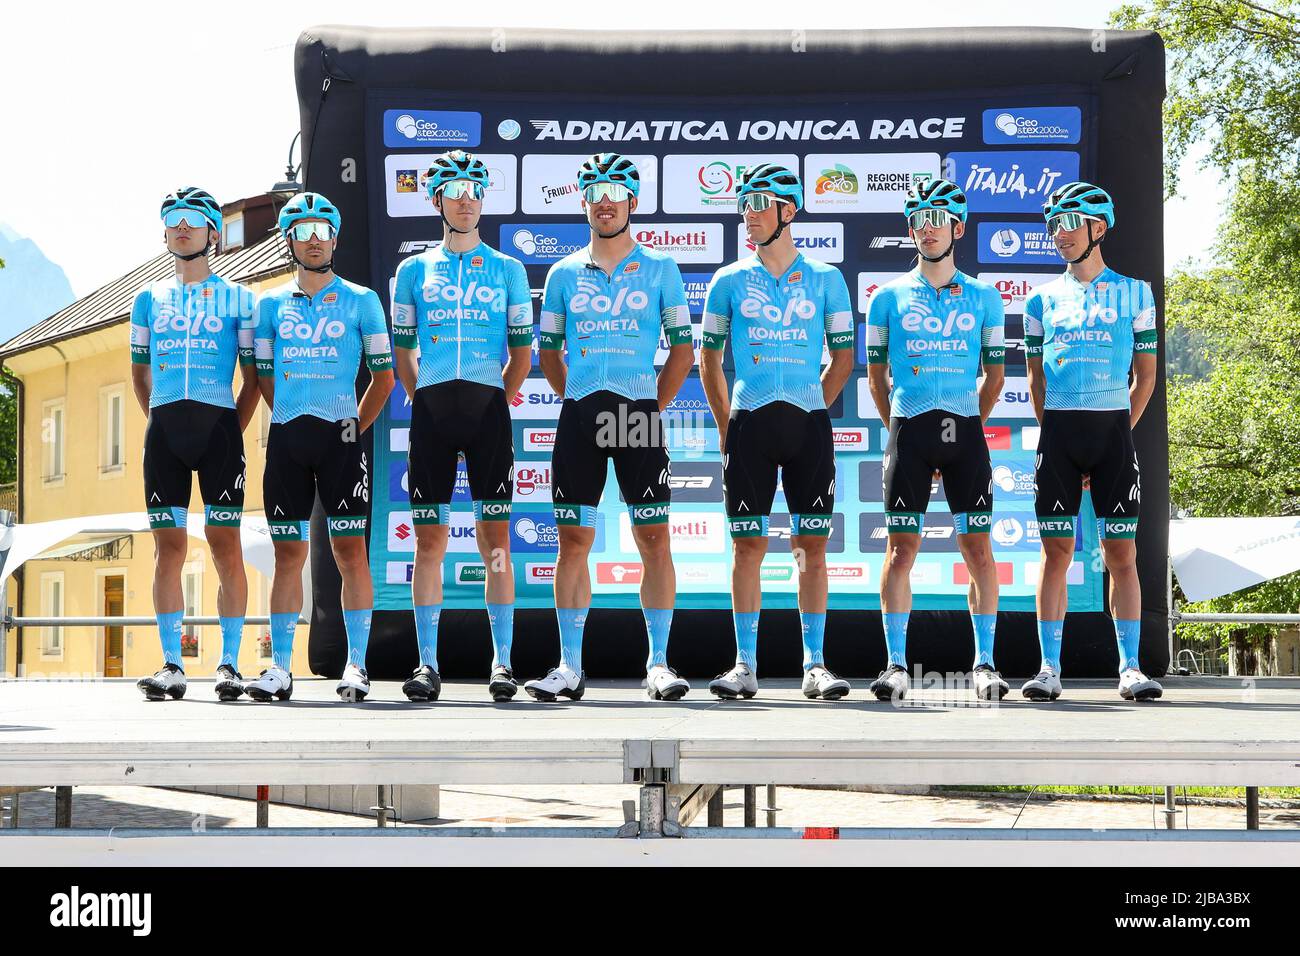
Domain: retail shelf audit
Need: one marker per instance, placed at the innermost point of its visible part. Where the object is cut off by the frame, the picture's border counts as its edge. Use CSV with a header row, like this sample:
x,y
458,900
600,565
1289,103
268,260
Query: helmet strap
x,y
302,265
1092,244
780,228
946,253
207,244
446,224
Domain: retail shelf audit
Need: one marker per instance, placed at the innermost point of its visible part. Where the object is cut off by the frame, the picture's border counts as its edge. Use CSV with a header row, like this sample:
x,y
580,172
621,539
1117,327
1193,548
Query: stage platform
x,y
1204,732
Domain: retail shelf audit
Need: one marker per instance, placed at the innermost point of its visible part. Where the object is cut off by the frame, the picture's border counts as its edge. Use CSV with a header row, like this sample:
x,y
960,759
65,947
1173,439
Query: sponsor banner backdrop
x,y
856,158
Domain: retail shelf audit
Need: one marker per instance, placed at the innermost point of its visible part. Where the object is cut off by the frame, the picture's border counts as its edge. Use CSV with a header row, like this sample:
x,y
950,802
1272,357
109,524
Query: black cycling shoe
x,y
423,685
503,685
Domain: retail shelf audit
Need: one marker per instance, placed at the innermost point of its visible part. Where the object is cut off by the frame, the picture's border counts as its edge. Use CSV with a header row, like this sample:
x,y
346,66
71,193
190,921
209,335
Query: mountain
x,y
31,286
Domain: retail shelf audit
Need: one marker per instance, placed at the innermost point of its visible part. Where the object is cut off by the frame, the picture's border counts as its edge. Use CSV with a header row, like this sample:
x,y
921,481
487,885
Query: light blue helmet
x,y
191,197
309,206
936,194
610,168
1082,198
771,178
456,164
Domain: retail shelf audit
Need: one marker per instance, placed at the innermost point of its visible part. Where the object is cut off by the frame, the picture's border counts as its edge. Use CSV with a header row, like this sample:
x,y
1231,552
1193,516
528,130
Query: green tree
x,y
1234,421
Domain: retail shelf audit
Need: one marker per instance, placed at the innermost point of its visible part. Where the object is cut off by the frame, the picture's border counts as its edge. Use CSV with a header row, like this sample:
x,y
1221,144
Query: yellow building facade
x,y
81,447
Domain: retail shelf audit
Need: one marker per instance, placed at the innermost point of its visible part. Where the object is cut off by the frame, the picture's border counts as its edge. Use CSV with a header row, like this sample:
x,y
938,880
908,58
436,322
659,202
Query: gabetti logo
x,y
692,242
1033,124
693,131
1014,287
407,128
823,241
1012,180
694,533
533,482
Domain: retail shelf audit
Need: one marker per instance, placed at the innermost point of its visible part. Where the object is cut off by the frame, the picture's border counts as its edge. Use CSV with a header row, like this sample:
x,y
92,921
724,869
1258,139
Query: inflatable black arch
x,y
336,67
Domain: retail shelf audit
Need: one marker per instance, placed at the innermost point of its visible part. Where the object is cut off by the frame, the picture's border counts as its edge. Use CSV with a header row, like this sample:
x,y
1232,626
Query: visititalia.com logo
x,y
446,128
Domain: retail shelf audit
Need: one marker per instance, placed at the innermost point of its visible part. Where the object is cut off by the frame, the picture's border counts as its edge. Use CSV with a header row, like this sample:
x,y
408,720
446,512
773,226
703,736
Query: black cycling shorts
x,y
457,418
1073,443
183,437
592,431
779,436
309,455
954,445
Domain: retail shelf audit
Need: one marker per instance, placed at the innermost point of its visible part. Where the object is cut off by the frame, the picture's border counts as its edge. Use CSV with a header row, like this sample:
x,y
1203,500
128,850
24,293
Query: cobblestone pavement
x,y
104,807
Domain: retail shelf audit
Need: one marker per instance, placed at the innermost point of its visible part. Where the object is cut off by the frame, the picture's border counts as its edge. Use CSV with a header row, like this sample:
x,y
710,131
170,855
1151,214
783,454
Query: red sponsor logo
x,y
476,262
542,436
541,572
617,572
517,400
207,293
631,267
527,480
844,572
998,437
330,298
794,277
1006,573
402,531
1011,289
849,437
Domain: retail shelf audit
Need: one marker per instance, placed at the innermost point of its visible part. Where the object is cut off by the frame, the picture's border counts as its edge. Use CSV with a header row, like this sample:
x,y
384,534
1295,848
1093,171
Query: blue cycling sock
x,y
426,633
282,628
1129,636
502,619
1049,639
357,625
169,632
896,637
747,638
658,622
814,636
232,632
985,625
572,621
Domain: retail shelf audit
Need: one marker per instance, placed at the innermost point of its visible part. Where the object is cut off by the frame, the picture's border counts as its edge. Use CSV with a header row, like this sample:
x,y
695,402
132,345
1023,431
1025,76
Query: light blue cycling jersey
x,y
313,347
462,310
190,336
934,341
778,327
611,323
1087,335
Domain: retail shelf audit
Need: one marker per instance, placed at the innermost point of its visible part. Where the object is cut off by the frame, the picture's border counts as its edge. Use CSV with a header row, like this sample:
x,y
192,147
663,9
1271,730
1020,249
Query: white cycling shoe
x,y
818,682
1134,685
355,684
740,681
562,681
989,684
1046,686
274,683
168,682
892,684
662,683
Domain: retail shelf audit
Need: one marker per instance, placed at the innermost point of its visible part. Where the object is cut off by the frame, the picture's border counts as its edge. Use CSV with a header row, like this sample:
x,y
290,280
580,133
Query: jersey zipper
x,y
460,308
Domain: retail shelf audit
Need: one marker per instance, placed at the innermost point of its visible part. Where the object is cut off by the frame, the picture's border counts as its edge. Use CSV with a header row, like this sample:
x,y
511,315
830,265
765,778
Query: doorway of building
x,y
114,599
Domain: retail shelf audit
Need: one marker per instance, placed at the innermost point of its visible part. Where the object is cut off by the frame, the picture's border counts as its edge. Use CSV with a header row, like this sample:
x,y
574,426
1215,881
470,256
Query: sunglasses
x,y
307,231
190,217
759,202
460,188
598,192
928,217
1068,221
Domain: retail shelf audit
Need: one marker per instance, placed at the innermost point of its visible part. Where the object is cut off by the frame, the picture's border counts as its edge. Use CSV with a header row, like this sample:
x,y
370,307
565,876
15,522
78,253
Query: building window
x,y
192,588
112,429
52,437
233,237
52,606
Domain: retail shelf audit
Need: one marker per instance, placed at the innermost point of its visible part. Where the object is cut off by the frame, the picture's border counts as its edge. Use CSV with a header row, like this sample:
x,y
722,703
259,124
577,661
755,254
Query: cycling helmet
x,y
769,177
1083,198
309,206
456,164
191,197
610,168
935,194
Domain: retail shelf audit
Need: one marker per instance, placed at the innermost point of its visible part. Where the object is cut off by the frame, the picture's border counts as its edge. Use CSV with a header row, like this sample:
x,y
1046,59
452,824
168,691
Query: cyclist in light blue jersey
x,y
1084,333
457,309
929,335
607,305
780,310
187,331
311,337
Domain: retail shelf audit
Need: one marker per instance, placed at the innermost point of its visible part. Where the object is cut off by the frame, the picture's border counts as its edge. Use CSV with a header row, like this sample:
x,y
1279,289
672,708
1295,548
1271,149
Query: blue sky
x,y
108,108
